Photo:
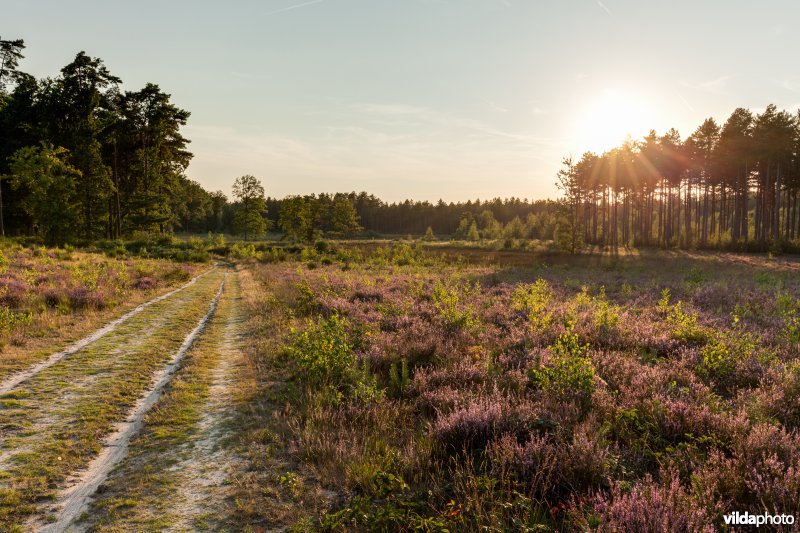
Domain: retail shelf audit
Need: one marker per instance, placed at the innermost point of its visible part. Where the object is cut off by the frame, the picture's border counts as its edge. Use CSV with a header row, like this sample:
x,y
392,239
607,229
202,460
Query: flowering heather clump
x,y
571,393
47,286
144,283
647,507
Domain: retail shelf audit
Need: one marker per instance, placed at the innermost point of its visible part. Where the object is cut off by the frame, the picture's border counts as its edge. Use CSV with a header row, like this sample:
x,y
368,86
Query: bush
x,y
448,300
324,351
684,325
569,373
536,301
243,251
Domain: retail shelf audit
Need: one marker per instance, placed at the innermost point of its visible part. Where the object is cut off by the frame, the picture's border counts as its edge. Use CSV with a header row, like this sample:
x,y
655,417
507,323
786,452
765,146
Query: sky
x,y
423,99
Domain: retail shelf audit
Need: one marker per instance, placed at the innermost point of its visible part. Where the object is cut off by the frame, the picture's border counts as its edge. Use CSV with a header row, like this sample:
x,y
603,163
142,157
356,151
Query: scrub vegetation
x,y
417,390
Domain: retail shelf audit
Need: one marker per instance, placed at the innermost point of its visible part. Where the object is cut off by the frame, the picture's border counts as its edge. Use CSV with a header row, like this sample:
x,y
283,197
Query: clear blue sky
x,y
423,99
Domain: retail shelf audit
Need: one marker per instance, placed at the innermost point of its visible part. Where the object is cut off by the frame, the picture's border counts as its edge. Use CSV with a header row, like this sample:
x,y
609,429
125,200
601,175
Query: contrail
x,y
685,101
601,4
289,8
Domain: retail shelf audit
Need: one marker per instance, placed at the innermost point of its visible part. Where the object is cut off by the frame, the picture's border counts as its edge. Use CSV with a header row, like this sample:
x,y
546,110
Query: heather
x,y
49,293
647,392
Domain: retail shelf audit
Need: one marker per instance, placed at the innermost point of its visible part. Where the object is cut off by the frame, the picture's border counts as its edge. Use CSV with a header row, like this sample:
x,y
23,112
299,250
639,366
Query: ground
x,y
396,386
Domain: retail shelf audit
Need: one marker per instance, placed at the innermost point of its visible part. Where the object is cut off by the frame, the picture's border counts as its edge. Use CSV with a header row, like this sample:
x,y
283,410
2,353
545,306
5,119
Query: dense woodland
x,y
736,184
81,158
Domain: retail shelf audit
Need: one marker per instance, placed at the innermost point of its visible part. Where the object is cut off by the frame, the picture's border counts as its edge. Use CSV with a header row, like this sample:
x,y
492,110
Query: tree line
x,y
349,213
734,185
82,158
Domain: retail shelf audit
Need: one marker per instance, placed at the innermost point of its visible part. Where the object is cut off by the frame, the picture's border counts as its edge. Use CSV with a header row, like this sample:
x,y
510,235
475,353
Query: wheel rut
x,y
68,421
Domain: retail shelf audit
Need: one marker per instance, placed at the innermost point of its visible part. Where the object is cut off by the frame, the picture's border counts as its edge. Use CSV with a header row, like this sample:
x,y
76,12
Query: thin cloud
x,y
496,107
685,101
717,85
604,7
430,117
292,7
790,84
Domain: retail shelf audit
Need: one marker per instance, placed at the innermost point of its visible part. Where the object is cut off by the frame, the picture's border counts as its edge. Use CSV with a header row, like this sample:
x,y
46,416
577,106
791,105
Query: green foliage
x,y
399,378
789,309
663,302
249,219
488,227
452,303
298,219
536,301
568,233
722,351
606,316
324,351
569,374
472,233
241,250
307,301
405,254
50,181
387,507
429,236
343,217
684,325
11,321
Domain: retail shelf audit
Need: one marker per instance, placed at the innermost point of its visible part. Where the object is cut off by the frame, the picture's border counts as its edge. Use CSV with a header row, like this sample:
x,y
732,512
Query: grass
x,y
55,297
71,406
140,495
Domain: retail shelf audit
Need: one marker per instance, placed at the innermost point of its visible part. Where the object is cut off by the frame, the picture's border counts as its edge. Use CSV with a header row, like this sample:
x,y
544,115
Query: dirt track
x,y
67,422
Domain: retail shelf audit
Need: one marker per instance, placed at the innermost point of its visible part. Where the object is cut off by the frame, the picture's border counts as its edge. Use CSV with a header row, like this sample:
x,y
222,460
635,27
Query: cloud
x,y
496,107
424,163
292,7
716,85
429,120
790,84
604,7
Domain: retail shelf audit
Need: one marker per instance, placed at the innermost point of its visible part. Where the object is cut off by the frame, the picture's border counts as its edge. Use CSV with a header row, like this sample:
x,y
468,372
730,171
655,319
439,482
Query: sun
x,y
609,120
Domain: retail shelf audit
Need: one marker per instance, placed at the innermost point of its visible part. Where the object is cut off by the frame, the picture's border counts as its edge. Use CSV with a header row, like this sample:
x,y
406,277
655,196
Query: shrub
x,y
724,352
448,300
11,321
243,251
606,315
789,309
307,301
536,301
569,373
647,507
399,378
144,283
324,351
684,325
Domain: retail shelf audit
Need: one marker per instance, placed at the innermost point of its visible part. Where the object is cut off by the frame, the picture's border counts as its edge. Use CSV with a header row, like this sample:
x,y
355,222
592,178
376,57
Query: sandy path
x,y
50,395
206,463
183,482
74,499
56,423
12,381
